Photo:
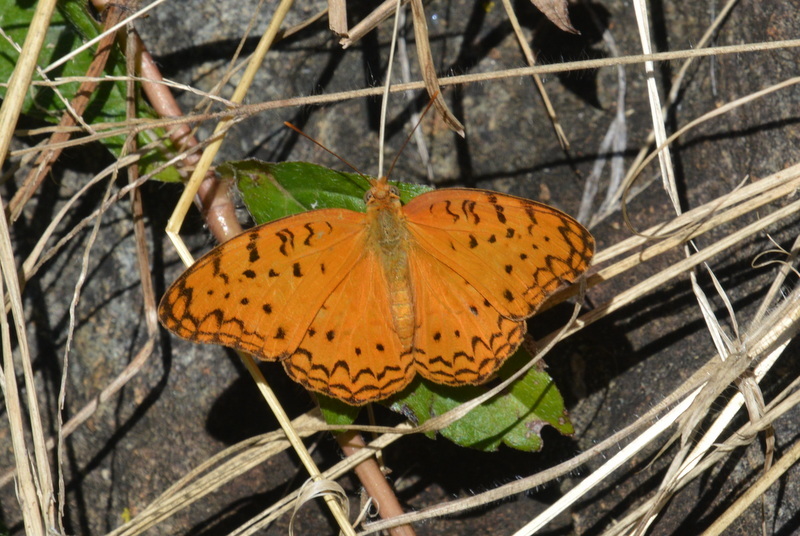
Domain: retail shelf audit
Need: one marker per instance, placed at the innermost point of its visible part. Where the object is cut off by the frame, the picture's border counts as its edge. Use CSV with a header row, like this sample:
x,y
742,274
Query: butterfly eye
x,y
394,191
368,196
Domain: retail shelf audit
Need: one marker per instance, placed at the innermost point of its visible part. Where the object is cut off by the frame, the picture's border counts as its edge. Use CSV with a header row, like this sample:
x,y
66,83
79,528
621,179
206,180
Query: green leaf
x,y
514,417
71,26
335,411
276,190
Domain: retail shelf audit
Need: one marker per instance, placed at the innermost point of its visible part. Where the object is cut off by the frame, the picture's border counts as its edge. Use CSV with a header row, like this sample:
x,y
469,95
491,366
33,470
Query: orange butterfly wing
x,y
259,291
351,350
513,251
459,337
310,290
483,263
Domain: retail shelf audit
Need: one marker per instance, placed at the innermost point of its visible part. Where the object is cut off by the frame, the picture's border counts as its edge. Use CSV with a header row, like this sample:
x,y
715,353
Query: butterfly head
x,y
382,194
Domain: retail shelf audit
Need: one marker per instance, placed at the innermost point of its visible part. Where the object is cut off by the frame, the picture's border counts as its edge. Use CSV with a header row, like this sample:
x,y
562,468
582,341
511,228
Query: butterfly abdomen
x,y
390,239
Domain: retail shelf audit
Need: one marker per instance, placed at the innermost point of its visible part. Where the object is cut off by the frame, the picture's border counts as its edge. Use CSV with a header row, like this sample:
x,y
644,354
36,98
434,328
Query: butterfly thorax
x,y
388,235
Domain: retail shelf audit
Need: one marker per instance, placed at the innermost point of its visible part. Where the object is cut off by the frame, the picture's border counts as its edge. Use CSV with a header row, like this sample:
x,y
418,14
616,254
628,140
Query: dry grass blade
x,y
428,68
337,17
659,129
754,492
370,22
35,484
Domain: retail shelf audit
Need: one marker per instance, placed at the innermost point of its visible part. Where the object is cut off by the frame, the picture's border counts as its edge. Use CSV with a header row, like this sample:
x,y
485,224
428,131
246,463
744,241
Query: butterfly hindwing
x,y
259,291
513,251
460,337
351,350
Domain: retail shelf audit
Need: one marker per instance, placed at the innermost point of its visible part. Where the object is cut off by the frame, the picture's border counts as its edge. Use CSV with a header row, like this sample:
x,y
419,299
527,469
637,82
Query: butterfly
x,y
355,304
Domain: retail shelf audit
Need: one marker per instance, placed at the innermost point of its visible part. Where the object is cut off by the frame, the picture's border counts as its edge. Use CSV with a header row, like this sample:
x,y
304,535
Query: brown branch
x,y
371,477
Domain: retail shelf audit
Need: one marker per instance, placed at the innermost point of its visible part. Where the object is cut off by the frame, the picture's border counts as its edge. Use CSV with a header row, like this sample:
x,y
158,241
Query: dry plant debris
x,y
682,361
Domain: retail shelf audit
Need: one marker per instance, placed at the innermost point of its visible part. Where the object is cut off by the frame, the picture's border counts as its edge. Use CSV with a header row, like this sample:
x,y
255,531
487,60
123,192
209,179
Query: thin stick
x,y
386,87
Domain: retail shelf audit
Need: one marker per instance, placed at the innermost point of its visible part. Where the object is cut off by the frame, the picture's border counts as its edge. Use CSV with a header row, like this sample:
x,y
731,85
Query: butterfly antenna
x,y
306,136
408,139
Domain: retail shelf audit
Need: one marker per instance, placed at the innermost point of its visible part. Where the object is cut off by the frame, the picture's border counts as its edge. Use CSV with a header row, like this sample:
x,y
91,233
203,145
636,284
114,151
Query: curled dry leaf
x,y
557,12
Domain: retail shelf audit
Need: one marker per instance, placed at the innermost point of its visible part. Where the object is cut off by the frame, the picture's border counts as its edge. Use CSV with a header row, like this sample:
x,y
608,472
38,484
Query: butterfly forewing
x,y
351,350
513,251
259,291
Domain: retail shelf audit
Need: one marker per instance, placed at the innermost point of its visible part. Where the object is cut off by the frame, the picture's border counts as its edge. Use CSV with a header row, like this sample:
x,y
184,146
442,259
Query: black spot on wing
x,y
287,241
468,208
217,270
386,370
448,210
252,247
441,360
531,214
499,212
310,229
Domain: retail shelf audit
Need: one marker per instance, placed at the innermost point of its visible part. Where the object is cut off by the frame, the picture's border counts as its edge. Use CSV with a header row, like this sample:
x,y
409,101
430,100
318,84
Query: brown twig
x,y
371,477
